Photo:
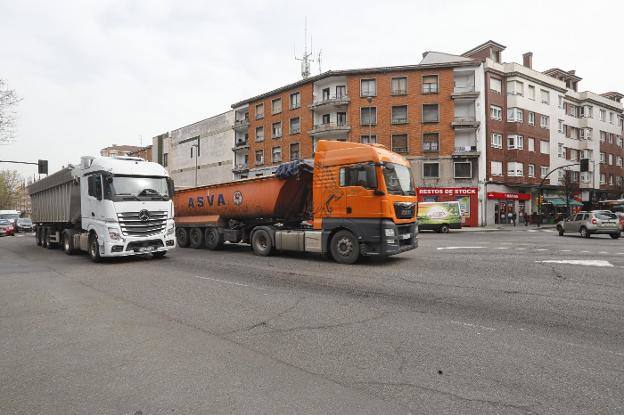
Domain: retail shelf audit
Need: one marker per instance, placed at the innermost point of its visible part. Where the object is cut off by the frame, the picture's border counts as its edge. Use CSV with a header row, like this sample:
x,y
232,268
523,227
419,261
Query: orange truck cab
x,y
355,200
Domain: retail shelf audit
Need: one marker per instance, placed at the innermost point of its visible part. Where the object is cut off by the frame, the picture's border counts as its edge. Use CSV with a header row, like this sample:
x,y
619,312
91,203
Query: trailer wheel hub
x,y
345,246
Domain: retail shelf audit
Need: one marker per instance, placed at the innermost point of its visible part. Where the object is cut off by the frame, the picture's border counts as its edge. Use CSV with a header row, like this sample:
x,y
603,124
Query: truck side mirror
x,y
170,186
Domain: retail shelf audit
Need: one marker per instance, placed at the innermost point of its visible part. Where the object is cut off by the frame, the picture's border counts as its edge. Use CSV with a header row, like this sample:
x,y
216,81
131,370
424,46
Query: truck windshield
x,y
10,216
398,179
136,188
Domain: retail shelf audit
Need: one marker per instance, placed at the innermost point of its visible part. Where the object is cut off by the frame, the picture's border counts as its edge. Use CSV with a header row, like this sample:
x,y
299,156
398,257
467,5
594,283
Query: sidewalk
x,y
495,228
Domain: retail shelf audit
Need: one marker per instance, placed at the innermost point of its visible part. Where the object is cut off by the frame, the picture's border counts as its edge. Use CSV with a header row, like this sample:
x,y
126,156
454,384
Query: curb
x,y
499,229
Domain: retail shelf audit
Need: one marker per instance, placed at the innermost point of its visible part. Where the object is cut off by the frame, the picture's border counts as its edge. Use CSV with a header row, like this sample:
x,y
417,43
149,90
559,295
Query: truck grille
x,y
404,210
143,223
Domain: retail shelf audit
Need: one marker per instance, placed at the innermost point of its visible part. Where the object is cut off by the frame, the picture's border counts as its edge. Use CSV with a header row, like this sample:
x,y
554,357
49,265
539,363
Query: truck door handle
x,y
348,209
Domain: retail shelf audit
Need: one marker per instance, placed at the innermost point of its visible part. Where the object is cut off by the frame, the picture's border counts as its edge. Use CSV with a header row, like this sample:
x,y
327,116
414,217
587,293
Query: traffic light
x,y
43,166
584,165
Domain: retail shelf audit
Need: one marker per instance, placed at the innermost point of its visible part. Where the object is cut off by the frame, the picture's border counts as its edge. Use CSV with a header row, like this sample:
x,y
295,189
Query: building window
x,y
276,106
531,92
431,170
294,151
325,119
603,178
325,94
259,134
495,85
603,115
588,111
602,158
399,114
399,143
341,118
531,144
560,128
497,140
515,115
259,111
496,113
430,84
496,168
431,142
463,170
560,151
544,171
368,139
341,91
610,159
545,95
611,121
515,169
276,130
515,142
531,118
295,127
545,122
430,113
368,116
368,87
259,157
399,86
515,88
277,154
603,136
544,147
295,100
560,102
165,159
531,170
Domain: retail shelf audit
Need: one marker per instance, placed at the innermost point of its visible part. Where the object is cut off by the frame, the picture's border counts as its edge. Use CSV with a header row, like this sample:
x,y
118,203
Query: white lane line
x,y
566,250
586,252
459,247
226,282
502,247
520,249
603,252
532,230
586,262
541,249
473,325
620,253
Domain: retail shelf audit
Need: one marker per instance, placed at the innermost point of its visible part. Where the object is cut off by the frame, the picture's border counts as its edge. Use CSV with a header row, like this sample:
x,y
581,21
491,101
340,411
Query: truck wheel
x,y
585,233
38,236
615,235
262,243
94,249
196,238
182,237
68,242
44,238
214,238
444,228
345,247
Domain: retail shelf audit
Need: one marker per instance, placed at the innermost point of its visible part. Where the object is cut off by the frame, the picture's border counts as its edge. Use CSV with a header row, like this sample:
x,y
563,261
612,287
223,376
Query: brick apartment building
x,y
538,121
430,112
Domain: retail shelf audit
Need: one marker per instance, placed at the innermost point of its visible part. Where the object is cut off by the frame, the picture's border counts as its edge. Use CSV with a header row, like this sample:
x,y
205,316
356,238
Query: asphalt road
x,y
469,323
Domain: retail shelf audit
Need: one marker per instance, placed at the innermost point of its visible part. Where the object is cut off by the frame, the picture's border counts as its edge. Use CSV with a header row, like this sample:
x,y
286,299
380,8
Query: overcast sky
x,y
93,73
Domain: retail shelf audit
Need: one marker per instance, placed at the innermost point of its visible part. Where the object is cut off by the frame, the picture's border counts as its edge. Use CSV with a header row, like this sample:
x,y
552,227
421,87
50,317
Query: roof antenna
x,y
305,59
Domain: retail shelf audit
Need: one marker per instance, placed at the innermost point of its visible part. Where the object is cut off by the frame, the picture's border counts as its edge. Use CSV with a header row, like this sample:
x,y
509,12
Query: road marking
x,y
620,253
459,247
586,252
502,247
603,252
586,262
473,325
566,250
520,249
541,249
532,230
227,282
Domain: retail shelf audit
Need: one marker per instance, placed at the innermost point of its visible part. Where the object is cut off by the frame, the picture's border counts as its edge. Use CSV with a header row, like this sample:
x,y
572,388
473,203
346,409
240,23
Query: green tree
x,y
9,182
8,101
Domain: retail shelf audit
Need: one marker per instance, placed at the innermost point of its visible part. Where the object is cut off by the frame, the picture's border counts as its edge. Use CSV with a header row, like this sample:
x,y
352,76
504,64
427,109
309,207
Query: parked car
x,y
23,225
6,227
588,223
620,216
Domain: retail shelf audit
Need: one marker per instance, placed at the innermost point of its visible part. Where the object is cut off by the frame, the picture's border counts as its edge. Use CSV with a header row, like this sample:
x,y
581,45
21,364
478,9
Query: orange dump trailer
x,y
355,200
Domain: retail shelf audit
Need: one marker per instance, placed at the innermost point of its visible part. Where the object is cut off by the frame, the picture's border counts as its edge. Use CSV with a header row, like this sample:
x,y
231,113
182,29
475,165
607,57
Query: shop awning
x,y
560,202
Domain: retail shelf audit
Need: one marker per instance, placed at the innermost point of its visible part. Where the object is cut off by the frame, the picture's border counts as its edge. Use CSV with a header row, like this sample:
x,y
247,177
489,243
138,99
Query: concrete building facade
x,y
199,153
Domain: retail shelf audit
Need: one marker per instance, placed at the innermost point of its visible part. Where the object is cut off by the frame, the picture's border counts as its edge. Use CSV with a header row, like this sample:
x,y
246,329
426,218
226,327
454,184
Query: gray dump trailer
x,y
56,199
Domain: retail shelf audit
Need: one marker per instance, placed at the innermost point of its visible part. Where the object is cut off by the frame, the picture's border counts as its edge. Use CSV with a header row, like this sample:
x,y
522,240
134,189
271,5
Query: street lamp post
x,y
370,119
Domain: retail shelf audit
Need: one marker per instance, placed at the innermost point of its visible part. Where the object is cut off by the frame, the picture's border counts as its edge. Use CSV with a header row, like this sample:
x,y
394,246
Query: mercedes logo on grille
x,y
144,215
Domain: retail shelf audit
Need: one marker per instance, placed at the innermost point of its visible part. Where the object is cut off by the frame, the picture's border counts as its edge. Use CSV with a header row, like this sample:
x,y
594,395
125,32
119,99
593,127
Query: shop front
x,y
468,198
506,204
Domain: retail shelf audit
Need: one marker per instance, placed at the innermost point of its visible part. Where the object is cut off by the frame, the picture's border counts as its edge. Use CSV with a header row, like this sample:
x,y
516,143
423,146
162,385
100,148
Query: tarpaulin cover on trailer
x,y
293,168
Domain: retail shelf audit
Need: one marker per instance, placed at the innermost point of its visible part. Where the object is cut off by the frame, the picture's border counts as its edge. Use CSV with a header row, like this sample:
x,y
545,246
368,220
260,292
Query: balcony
x,y
465,122
465,92
241,168
466,151
240,145
241,124
329,128
336,100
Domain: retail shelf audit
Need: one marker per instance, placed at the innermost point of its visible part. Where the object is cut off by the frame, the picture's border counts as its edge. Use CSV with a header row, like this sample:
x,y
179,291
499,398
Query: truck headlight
x,y
389,231
114,234
171,229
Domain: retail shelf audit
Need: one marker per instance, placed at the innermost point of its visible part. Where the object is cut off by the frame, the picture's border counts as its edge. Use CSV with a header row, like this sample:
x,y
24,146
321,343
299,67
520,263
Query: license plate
x,y
146,249
406,236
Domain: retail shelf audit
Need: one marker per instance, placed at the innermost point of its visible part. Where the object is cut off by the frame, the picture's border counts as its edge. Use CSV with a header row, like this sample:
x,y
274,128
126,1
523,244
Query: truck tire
x,y
94,249
182,237
196,238
38,236
615,235
444,228
44,238
262,243
344,247
214,238
68,242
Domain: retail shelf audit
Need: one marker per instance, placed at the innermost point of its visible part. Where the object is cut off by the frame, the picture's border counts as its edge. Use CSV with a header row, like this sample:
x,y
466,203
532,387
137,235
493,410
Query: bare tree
x,y
8,101
9,183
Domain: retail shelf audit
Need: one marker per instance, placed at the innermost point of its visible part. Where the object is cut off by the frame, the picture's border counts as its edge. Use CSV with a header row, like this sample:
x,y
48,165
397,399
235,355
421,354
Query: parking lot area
x,y
511,322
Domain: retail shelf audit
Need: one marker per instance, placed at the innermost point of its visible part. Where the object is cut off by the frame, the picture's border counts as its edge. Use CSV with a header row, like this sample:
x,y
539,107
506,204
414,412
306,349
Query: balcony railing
x,y
240,144
466,121
466,151
464,89
331,100
399,92
259,116
240,124
240,168
328,127
399,121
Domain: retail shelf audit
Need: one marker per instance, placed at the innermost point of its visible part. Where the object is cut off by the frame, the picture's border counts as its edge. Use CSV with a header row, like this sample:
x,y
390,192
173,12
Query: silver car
x,y
588,223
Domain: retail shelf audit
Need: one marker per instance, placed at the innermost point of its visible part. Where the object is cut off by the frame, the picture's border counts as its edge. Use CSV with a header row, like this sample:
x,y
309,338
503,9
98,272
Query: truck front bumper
x,y
404,238
138,246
